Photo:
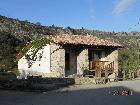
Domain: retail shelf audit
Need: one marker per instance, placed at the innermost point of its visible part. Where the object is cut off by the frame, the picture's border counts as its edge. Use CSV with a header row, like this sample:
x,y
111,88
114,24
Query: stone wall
x,y
82,61
78,60
112,55
57,60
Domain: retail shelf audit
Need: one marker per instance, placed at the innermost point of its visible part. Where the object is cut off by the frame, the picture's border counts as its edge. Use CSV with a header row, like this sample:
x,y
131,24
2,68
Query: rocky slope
x,y
14,34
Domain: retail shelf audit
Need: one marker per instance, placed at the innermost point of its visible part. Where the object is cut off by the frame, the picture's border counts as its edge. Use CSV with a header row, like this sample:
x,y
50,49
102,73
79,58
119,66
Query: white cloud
x,y
122,6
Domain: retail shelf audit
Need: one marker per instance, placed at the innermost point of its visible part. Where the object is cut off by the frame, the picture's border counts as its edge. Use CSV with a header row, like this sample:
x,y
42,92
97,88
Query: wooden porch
x,y
100,68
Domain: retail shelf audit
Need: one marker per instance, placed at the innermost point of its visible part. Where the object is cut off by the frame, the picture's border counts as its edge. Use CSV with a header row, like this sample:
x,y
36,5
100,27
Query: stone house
x,y
72,56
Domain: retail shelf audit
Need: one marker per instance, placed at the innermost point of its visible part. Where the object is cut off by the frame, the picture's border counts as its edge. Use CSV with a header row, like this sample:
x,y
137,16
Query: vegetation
x,y
14,34
8,50
37,44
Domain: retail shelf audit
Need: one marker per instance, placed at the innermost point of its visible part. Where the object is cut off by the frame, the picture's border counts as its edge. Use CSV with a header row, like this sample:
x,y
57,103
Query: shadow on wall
x,y
76,96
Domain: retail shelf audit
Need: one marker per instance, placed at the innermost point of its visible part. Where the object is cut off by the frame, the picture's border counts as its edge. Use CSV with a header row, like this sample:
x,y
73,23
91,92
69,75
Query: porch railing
x,y
104,66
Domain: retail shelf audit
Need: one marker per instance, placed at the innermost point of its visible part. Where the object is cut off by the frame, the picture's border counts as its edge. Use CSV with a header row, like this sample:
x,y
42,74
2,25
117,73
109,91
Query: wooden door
x,y
67,63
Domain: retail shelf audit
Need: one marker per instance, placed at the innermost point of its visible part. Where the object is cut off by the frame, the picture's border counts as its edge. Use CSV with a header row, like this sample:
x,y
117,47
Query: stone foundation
x,y
84,81
24,74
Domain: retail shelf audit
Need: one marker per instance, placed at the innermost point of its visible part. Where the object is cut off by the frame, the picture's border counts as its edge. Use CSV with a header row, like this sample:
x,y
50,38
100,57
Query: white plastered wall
x,y
39,65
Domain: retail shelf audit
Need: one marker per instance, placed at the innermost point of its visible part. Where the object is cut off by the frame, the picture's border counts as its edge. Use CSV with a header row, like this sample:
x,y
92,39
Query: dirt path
x,y
77,95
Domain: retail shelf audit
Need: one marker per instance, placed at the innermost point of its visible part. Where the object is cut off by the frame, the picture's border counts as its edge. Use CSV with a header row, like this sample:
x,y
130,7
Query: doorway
x,y
67,64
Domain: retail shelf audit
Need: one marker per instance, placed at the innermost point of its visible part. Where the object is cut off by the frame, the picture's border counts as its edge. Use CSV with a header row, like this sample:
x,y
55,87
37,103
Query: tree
x,y
38,23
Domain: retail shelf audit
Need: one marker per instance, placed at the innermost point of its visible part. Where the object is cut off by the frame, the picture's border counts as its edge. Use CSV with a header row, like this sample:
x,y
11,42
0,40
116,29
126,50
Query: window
x,y
95,55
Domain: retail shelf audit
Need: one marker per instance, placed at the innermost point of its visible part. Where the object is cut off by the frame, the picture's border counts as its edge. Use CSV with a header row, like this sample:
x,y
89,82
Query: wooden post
x,y
130,75
99,73
124,75
116,79
106,77
133,75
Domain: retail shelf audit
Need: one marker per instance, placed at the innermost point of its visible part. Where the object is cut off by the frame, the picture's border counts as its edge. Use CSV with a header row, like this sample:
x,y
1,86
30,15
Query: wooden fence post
x,y
124,75
130,75
116,78
133,75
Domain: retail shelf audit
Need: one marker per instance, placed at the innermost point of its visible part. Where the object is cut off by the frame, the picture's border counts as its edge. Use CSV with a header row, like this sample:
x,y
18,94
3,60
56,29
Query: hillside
x,y
14,34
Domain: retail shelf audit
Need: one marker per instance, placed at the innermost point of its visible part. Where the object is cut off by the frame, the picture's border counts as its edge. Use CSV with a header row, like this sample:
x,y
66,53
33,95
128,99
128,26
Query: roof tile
x,y
84,40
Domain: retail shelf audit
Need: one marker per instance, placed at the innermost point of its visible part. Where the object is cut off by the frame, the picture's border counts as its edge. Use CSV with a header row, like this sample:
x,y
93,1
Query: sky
x,y
105,15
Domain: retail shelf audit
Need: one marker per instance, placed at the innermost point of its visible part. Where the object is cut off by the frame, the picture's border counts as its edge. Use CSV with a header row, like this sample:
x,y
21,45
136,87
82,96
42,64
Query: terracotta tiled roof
x,y
84,40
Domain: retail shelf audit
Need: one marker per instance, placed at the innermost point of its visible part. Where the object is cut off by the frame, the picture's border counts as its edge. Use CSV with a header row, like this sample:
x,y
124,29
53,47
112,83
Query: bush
x,y
7,76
